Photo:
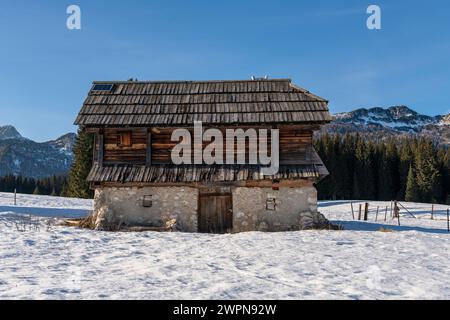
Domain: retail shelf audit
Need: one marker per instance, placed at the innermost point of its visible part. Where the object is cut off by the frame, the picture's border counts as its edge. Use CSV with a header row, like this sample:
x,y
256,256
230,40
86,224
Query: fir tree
x,y
78,187
406,161
412,192
388,182
36,190
427,172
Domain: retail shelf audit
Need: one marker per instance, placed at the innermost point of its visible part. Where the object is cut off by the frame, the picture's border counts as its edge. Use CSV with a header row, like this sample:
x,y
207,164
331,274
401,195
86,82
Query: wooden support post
x,y
409,212
376,216
148,153
385,214
94,149
366,211
101,146
396,209
353,213
15,196
432,212
359,214
398,218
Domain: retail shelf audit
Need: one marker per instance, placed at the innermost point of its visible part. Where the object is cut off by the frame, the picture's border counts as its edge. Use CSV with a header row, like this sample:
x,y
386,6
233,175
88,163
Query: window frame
x,y
121,139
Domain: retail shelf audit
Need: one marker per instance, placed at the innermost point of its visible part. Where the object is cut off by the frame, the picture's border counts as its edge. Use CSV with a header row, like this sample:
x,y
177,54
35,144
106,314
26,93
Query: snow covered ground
x,y
412,262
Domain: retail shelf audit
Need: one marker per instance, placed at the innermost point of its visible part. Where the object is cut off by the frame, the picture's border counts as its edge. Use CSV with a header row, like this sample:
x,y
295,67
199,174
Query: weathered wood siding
x,y
294,146
134,154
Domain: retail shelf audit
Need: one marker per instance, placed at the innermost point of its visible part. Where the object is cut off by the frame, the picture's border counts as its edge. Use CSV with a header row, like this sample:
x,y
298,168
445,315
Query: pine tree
x,y
346,168
78,187
388,174
364,171
412,192
356,187
323,188
428,177
406,161
64,192
36,190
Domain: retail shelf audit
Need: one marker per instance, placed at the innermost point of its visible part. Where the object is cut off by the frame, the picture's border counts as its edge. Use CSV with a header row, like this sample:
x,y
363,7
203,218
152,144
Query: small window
x,y
124,139
271,204
147,201
102,87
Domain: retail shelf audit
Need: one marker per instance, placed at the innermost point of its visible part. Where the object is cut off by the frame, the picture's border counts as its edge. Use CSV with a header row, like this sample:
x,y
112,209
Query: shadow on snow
x,y
369,226
46,212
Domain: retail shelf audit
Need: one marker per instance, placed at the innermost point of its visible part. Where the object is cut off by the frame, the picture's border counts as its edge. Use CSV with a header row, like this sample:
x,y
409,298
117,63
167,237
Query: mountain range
x,y
380,123
22,156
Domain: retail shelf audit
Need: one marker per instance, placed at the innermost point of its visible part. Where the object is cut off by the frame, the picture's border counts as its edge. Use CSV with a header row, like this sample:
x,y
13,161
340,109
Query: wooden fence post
x,y
448,221
391,210
353,213
398,218
15,196
432,211
376,216
366,211
359,214
385,214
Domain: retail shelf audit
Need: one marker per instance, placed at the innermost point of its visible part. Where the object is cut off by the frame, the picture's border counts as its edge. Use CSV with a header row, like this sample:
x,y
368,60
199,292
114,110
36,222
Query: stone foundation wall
x,y
254,209
125,205
250,212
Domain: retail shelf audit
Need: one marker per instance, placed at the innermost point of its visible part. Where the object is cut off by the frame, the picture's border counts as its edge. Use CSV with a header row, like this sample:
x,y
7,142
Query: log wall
x,y
294,142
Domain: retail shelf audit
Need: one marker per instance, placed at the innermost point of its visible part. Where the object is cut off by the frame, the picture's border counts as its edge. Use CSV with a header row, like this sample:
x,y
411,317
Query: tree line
x,y
405,169
54,186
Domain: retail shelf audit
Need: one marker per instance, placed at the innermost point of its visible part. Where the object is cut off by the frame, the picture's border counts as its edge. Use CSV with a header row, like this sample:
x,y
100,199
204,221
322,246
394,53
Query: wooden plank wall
x,y
135,154
293,146
215,210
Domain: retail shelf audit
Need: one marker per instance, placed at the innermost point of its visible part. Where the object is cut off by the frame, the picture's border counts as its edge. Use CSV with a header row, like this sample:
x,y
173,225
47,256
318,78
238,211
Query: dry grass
x,y
383,229
88,223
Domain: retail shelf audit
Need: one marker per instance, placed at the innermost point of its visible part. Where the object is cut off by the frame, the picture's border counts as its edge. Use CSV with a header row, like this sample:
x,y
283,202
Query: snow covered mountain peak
x,y
399,118
381,123
64,143
9,132
25,157
445,121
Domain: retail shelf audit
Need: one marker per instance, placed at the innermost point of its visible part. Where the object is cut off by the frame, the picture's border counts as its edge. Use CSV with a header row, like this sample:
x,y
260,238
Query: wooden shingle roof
x,y
180,103
188,174
313,167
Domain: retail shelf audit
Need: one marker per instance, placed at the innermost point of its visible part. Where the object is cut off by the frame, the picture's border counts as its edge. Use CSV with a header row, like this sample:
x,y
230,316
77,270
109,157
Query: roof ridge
x,y
191,81
308,93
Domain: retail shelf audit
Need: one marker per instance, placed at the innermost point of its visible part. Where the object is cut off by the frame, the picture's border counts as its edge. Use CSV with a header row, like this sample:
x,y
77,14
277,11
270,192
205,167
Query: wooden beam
x,y
250,183
100,148
94,149
148,154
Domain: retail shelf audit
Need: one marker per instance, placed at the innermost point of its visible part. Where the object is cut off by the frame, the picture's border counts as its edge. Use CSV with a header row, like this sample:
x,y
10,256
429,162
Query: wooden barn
x,y
137,183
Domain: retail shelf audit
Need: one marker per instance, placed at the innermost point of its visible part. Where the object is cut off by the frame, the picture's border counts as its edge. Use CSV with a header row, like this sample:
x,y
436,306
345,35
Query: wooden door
x,y
215,214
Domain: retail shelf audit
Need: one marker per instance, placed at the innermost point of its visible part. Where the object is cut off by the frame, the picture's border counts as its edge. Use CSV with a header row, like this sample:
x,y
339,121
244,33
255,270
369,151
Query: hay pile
x,y
89,223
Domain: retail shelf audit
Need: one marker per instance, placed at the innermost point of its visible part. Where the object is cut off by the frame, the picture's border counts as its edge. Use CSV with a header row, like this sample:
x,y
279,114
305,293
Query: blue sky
x,y
323,45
